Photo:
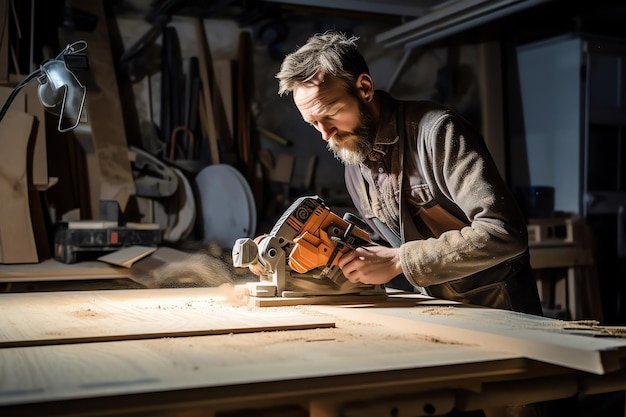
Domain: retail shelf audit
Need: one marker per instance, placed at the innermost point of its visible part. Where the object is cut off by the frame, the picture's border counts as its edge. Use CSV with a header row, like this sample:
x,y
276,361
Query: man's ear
x,y
365,84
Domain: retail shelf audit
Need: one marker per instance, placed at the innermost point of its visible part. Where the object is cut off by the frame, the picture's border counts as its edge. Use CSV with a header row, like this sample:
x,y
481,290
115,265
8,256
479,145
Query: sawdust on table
x,y
517,320
347,335
87,313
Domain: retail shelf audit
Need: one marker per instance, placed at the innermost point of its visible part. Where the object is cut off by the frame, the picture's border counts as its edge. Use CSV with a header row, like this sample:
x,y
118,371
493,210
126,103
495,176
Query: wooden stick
x,y
203,56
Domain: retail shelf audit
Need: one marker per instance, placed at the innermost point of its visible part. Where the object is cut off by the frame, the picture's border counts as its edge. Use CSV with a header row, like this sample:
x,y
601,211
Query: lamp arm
x,y
17,88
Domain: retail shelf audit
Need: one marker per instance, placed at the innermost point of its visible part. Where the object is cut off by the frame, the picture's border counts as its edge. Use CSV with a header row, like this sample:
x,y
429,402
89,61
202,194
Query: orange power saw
x,y
300,255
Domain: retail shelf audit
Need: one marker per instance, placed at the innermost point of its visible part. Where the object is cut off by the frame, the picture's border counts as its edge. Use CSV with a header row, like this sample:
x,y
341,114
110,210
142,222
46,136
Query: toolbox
x,y
87,239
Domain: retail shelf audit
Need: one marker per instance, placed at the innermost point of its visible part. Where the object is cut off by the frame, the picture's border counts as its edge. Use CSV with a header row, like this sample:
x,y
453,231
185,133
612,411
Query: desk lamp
x,y
59,91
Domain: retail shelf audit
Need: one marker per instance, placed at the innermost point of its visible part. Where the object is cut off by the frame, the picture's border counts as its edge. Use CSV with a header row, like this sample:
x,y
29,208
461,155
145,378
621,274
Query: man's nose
x,y
326,131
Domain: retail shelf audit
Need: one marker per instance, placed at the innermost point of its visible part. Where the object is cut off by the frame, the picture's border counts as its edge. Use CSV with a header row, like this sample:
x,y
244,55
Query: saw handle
x,y
353,219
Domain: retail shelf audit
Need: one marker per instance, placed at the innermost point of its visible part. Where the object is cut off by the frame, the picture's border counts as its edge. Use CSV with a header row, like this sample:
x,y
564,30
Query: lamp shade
x,y
61,93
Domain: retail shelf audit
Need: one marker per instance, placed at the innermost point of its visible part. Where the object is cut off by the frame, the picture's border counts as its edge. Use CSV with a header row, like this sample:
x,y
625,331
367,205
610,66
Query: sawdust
x,y
347,340
86,313
438,311
521,321
205,266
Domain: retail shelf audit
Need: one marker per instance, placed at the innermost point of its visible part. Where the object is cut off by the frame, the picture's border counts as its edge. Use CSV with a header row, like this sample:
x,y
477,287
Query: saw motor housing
x,y
319,237
304,247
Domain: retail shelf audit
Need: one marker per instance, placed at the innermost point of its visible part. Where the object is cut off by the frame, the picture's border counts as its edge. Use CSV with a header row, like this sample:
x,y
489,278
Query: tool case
x,y
88,239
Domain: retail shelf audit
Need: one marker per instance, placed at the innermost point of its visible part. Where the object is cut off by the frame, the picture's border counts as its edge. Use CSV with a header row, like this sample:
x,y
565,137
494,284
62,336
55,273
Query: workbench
x,y
202,351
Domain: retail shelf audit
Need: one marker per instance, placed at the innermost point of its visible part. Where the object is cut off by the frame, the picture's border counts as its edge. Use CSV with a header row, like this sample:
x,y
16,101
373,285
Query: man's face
x,y
343,119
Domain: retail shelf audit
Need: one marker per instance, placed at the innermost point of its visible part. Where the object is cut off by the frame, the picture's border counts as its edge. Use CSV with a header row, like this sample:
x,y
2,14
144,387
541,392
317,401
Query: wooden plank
x,y
46,318
358,359
53,270
246,365
40,152
128,255
207,114
104,110
244,371
342,299
17,242
224,69
543,339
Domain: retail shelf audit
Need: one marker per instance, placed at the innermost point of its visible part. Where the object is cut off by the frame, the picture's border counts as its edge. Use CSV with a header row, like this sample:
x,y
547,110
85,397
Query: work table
x,y
201,350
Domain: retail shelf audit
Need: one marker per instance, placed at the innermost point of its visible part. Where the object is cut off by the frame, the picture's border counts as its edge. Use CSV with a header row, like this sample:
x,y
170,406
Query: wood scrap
x,y
40,162
273,136
17,240
224,81
207,115
342,299
53,270
246,133
104,110
244,119
207,125
127,256
37,161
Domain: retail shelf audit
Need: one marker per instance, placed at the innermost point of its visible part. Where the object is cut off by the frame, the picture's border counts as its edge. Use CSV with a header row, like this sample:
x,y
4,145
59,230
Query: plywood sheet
x,y
558,342
356,352
53,270
128,255
31,319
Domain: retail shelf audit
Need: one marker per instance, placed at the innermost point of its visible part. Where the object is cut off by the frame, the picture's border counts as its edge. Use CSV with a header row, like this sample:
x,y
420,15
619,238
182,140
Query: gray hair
x,y
331,52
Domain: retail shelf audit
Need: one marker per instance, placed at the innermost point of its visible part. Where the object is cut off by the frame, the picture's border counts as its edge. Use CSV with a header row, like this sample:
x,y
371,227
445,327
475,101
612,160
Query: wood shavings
x,y
438,310
522,321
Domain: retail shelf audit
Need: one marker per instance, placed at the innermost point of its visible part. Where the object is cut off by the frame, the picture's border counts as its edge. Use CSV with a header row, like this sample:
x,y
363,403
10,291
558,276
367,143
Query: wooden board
x,y
543,339
53,270
369,353
128,255
40,152
342,299
31,319
104,111
207,113
17,241
222,366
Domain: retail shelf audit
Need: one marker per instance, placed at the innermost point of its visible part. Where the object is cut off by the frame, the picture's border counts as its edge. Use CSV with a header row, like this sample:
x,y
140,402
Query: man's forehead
x,y
319,94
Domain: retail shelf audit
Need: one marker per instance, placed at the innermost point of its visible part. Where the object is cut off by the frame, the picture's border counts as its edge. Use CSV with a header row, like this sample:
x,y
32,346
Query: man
x,y
421,177
424,181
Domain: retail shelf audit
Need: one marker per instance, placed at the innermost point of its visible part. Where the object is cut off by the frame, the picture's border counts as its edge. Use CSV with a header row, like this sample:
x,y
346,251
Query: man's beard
x,y
354,148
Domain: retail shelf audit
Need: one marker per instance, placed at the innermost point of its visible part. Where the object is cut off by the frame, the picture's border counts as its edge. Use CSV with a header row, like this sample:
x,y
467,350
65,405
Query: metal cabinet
x,y
572,136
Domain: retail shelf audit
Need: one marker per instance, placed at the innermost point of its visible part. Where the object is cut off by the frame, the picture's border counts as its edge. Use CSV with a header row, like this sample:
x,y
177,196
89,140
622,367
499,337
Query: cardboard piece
x,y
127,256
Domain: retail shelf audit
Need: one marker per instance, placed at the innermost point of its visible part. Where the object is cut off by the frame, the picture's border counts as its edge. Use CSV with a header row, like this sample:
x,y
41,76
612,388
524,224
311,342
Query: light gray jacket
x,y
451,213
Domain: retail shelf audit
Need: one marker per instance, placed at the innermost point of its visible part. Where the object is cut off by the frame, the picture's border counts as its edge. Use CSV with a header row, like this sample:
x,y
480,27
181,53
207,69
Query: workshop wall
x,y
305,163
